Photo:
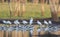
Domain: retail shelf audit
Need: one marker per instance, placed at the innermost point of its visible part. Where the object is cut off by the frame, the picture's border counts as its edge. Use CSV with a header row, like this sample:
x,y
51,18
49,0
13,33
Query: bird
x,y
45,22
16,22
24,22
38,22
9,22
4,21
31,21
49,22
47,25
4,26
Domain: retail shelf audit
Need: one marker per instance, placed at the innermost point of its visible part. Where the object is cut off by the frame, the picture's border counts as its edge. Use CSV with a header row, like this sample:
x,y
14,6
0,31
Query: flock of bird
x,y
25,27
25,22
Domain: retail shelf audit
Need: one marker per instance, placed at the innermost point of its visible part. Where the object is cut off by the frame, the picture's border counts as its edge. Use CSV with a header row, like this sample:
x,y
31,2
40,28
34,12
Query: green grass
x,y
32,10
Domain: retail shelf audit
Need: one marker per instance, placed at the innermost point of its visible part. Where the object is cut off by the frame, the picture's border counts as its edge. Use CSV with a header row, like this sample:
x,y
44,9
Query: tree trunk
x,y
23,7
35,1
54,16
42,7
54,10
2,1
17,8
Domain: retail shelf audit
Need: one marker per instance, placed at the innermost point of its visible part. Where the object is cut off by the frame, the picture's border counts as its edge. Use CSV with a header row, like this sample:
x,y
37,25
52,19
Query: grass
x,y
32,10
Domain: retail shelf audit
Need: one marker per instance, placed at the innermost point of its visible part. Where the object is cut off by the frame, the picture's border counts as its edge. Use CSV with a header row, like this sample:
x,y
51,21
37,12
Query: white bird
x,y
38,22
4,26
4,21
45,22
49,22
8,22
40,26
24,22
31,21
16,22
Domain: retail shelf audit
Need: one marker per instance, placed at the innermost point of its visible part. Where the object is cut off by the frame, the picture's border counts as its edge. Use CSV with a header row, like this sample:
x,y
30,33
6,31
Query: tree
x,y
17,8
35,1
54,9
11,6
23,7
2,1
42,7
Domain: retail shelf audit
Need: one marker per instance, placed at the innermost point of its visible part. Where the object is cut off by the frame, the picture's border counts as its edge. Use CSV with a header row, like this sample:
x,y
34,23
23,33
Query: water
x,y
13,32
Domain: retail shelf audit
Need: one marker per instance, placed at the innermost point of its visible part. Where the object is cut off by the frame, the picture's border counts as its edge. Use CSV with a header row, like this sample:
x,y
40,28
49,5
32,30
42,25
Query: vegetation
x,y
32,10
